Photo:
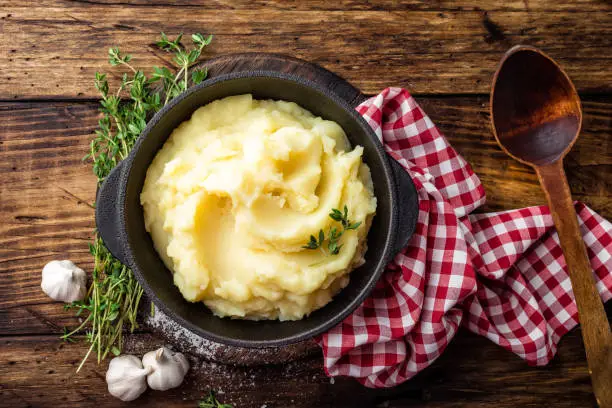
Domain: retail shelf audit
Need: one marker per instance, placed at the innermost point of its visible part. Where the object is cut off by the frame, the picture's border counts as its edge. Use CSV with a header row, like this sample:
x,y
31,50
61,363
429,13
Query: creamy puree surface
x,y
237,191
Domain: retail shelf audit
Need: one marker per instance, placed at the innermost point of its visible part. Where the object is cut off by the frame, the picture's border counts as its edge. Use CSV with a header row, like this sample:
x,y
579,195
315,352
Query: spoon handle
x,y
595,327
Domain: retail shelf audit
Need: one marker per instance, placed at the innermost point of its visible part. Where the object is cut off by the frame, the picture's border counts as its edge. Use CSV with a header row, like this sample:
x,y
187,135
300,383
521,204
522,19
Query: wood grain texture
x,y
472,373
56,48
46,188
368,5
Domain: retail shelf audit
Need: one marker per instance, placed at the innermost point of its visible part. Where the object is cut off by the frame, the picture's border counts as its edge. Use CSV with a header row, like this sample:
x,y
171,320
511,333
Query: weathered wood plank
x,y
55,50
46,187
472,372
351,5
44,200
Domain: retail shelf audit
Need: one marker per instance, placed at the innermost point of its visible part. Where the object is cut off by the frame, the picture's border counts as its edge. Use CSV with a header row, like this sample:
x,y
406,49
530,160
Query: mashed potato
x,y
235,194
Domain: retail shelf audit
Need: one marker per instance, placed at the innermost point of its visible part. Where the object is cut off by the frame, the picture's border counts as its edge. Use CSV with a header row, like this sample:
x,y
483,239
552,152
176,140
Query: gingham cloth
x,y
501,275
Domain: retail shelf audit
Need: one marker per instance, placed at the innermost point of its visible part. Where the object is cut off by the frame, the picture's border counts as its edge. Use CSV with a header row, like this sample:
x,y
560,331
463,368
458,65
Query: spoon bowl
x,y
536,109
536,118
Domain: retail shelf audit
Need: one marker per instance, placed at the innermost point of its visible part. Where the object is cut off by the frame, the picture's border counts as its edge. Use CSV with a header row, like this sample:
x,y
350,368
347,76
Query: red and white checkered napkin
x,y
501,275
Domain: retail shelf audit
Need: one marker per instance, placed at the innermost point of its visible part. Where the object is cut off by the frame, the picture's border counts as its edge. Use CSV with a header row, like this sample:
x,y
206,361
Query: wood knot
x,y
495,33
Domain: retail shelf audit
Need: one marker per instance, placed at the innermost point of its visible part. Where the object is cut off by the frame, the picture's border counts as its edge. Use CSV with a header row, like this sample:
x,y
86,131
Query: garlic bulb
x,y
63,280
168,368
126,378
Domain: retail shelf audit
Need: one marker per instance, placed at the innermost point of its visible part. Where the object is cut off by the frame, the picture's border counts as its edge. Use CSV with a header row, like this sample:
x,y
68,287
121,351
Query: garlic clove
x,y
126,377
168,368
64,281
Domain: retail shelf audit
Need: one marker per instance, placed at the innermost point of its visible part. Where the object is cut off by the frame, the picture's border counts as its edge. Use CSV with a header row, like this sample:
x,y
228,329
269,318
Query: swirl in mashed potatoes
x,y
236,192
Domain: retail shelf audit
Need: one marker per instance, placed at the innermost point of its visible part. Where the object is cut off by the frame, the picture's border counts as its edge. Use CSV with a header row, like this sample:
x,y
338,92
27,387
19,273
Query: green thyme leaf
x,y
353,226
197,76
165,44
212,402
312,244
200,40
336,215
321,237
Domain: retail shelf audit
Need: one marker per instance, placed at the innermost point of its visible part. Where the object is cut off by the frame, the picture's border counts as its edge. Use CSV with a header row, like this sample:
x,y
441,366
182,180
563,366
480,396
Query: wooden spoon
x,y
536,117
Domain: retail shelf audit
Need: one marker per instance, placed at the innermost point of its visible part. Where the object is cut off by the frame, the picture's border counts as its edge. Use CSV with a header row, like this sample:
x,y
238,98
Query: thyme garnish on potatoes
x,y
114,294
333,237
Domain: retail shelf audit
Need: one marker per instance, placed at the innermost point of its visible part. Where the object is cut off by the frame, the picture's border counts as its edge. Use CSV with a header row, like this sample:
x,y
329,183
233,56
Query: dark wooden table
x,y
445,52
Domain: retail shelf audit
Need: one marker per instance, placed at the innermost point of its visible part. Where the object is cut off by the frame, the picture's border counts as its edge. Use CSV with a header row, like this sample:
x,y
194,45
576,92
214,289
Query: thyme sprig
x,y
212,402
184,59
112,301
334,235
114,294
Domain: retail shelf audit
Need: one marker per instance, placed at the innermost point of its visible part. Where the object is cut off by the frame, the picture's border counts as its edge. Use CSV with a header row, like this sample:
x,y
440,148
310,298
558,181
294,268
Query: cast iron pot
x,y
120,221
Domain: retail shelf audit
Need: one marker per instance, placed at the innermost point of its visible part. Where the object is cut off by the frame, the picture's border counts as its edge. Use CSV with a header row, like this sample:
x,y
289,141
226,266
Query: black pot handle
x,y
407,204
107,213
